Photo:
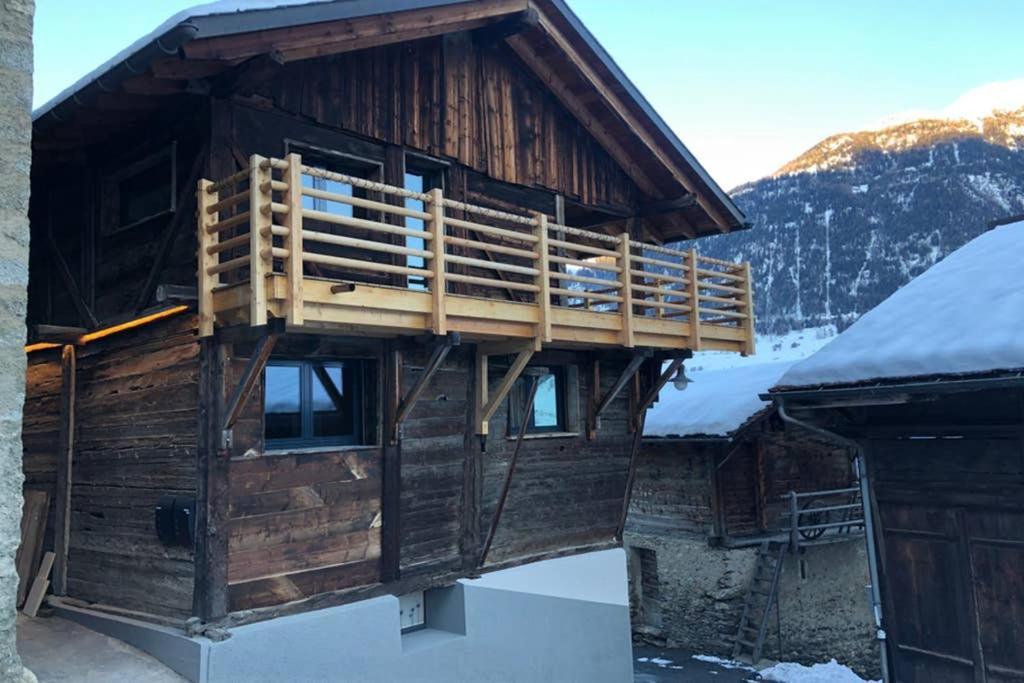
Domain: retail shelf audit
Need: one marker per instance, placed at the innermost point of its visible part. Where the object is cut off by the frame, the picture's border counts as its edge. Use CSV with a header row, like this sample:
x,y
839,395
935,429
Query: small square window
x,y
139,192
549,404
312,403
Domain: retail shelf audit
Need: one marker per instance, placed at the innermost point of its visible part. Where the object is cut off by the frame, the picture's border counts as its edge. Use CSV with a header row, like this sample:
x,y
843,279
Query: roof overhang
x,y
193,49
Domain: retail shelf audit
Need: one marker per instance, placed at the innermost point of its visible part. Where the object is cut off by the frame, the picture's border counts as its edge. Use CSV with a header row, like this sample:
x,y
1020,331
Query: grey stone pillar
x,y
15,160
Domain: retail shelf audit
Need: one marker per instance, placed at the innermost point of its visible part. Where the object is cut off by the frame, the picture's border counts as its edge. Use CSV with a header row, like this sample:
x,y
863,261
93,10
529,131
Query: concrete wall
x,y
15,160
824,608
564,620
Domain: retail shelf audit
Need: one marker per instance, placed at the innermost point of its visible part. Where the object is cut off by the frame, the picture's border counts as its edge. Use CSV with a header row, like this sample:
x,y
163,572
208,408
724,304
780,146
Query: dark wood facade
x,y
732,490
946,471
276,527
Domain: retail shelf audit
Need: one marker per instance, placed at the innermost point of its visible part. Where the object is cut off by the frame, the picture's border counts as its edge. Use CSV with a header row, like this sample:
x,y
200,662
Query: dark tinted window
x,y
312,403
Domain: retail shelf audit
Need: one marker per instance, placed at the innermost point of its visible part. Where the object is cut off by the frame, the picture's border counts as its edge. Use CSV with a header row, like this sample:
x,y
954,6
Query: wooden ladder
x,y
762,594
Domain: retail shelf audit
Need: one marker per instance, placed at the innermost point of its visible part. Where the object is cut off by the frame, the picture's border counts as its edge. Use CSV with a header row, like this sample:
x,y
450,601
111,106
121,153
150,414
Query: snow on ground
x,y
831,672
724,663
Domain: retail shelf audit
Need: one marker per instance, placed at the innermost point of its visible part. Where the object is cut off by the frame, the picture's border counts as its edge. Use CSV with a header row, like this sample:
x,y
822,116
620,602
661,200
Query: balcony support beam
x,y
250,376
440,352
487,405
627,374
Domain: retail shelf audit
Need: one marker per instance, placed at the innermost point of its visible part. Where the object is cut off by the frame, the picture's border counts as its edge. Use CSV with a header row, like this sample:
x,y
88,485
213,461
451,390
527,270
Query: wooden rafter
x,y
440,352
65,459
320,39
623,112
69,282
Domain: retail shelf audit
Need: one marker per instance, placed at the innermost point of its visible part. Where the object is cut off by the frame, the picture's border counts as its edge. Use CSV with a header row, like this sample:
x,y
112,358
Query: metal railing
x,y
282,216
822,516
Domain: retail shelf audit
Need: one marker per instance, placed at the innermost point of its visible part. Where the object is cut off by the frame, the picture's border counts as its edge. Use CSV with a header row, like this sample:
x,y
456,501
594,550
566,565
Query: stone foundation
x,y
700,591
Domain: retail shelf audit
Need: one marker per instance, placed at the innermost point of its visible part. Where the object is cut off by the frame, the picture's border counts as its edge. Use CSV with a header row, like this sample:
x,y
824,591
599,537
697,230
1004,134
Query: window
x,y
550,412
312,403
140,191
420,176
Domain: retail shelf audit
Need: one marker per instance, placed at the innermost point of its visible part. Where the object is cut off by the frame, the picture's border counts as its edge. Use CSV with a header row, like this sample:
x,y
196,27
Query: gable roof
x,y
718,403
962,317
208,39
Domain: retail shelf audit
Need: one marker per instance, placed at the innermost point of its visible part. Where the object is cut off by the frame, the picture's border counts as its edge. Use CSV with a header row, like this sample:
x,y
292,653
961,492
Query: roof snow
x,y
963,316
717,402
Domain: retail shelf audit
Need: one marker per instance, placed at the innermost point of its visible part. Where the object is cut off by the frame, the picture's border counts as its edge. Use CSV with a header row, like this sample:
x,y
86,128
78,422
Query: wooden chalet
x,y
430,305
730,515
929,388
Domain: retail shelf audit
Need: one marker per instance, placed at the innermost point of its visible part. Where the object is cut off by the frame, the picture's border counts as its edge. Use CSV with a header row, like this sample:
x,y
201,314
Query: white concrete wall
x,y
558,621
561,620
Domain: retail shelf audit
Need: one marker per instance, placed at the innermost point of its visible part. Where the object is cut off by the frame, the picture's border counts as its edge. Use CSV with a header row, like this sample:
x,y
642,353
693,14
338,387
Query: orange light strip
x,y
39,346
113,329
131,324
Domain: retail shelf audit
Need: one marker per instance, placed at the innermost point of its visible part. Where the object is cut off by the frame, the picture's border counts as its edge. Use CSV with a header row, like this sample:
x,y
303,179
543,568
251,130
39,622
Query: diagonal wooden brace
x,y
486,407
626,375
250,376
446,344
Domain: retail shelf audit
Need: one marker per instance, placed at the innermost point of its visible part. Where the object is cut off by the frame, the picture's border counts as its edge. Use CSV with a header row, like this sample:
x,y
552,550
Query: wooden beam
x,y
472,480
65,459
535,376
250,377
652,393
391,475
57,333
663,206
182,213
631,121
627,374
437,357
332,37
543,282
210,592
516,369
634,458
438,289
248,76
497,32
626,280
84,312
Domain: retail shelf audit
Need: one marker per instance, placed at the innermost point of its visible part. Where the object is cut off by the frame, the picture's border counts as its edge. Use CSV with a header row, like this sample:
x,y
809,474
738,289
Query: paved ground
x,y
58,650
660,665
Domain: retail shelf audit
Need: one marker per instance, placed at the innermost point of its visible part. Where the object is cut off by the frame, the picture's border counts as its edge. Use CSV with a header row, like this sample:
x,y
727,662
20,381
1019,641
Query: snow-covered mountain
x,y
848,222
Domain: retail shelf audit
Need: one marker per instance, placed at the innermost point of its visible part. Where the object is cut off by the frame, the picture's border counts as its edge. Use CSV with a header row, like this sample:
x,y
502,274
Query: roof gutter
x,y
867,503
166,45
825,396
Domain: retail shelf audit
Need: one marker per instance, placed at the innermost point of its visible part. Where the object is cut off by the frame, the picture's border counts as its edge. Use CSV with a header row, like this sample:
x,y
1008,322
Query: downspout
x,y
869,528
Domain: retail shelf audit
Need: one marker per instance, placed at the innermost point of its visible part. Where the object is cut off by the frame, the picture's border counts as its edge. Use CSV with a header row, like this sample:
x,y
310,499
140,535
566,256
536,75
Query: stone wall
x,y
15,160
824,607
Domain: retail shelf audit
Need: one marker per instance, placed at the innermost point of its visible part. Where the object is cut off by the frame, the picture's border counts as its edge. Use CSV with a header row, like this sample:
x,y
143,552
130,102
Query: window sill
x,y
311,449
546,435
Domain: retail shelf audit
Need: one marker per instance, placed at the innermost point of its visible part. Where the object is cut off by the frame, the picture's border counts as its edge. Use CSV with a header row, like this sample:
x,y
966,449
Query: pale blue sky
x,y
746,84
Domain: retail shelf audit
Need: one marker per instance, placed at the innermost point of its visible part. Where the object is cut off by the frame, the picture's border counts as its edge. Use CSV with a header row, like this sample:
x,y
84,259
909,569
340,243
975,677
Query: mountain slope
x,y
851,220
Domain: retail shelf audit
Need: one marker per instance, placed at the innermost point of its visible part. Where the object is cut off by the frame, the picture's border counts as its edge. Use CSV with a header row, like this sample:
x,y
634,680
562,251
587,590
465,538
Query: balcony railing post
x,y
543,280
694,297
261,219
207,281
293,221
626,292
437,262
748,299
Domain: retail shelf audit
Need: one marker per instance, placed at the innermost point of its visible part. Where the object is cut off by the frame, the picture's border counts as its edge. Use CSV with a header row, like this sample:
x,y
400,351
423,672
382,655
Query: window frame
x,y
566,393
111,222
435,175
306,412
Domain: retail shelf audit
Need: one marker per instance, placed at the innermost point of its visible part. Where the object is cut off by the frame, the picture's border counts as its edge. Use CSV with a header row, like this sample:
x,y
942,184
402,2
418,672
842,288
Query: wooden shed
x,y
433,303
746,534
929,386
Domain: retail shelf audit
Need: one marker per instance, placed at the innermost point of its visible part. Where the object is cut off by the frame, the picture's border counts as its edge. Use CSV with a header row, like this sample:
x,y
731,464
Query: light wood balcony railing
x,y
336,253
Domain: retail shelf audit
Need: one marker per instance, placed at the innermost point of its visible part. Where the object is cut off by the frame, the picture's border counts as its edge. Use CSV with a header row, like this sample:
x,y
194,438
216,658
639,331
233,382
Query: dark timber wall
x,y
135,444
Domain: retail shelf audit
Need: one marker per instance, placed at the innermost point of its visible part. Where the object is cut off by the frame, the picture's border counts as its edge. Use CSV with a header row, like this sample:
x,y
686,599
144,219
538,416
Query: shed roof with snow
x,y
717,404
963,317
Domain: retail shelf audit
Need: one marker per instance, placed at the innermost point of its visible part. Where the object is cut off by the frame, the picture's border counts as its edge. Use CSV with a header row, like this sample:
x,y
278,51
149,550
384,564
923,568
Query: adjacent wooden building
x,y
928,386
745,534
332,300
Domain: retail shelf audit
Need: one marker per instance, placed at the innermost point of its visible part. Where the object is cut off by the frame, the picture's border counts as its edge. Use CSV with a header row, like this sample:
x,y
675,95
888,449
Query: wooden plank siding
x,y
135,444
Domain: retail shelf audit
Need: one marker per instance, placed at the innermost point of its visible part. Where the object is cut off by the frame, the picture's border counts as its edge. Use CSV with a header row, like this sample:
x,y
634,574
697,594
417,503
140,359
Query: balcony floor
x,y
383,311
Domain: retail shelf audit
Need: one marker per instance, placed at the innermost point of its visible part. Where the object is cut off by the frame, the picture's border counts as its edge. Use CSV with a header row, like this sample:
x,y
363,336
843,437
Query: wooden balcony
x,y
330,252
